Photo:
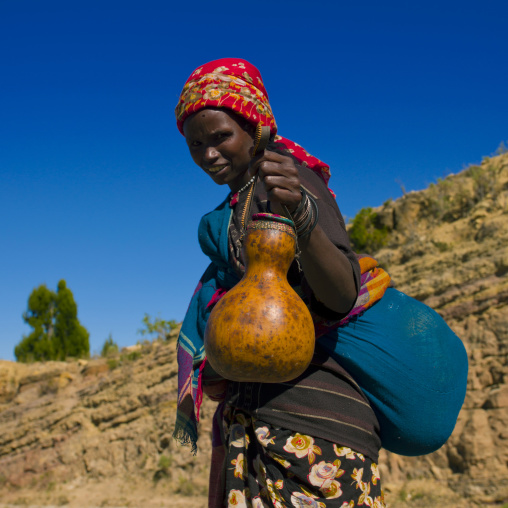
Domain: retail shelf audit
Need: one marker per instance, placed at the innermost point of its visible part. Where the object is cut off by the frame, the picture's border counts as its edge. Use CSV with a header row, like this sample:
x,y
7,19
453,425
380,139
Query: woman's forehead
x,y
211,118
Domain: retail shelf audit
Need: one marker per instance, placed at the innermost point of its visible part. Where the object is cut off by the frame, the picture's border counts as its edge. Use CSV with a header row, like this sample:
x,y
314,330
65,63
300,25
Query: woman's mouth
x,y
215,169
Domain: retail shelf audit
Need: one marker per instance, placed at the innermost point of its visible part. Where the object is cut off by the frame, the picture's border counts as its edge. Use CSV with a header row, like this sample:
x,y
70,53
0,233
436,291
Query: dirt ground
x,y
116,494
110,494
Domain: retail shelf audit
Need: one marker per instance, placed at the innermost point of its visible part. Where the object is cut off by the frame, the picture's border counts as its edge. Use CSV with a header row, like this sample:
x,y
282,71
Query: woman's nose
x,y
211,154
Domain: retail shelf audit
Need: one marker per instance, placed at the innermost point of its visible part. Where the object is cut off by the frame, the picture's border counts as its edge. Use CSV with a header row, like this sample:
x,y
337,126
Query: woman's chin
x,y
226,177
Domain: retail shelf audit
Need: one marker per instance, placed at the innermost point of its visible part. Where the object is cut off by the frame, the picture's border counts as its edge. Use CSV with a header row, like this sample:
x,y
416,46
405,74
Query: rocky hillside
x,y
448,247
98,432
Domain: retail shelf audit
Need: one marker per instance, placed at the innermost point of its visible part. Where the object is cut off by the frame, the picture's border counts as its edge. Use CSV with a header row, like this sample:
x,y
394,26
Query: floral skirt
x,y
267,466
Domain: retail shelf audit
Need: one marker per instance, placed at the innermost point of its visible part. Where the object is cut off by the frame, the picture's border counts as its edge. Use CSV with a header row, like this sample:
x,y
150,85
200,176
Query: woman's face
x,y
221,145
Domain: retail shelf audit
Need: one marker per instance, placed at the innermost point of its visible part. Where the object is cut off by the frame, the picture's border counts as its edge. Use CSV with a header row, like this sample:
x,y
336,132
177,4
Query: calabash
x,y
261,330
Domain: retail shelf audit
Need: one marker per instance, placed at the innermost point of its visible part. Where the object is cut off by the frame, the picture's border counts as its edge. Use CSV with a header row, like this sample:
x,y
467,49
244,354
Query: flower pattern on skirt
x,y
270,467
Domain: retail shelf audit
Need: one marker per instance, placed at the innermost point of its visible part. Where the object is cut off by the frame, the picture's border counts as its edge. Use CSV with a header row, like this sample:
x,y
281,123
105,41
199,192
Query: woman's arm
x,y
327,269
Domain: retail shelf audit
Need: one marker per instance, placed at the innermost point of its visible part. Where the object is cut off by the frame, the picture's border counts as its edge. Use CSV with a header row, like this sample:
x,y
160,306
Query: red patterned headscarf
x,y
236,84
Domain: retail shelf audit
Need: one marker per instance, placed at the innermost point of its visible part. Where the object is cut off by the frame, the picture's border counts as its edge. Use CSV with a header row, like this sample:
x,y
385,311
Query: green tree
x,y
71,337
366,233
158,326
38,345
57,332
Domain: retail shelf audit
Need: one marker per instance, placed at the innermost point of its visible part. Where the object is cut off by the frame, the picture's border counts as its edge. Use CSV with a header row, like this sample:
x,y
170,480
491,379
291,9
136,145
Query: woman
x,y
309,455
313,441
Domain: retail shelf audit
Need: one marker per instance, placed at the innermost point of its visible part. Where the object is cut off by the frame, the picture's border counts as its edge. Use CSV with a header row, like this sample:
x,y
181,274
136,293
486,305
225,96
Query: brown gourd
x,y
261,330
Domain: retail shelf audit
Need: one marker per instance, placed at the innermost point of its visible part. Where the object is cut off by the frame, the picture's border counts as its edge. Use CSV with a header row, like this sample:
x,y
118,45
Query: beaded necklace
x,y
236,196
247,184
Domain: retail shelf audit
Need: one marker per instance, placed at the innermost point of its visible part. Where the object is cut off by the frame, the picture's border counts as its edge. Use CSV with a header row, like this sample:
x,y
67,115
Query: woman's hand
x,y
280,178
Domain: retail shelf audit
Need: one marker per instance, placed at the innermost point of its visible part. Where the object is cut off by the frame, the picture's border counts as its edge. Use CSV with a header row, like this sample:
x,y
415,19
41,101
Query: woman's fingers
x,y
271,163
280,177
279,190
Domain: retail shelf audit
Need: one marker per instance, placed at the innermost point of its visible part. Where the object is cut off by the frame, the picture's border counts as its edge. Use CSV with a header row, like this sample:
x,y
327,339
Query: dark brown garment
x,y
323,402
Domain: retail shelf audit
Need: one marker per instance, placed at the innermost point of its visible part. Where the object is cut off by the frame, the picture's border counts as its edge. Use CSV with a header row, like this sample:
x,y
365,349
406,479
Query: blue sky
x,y
97,186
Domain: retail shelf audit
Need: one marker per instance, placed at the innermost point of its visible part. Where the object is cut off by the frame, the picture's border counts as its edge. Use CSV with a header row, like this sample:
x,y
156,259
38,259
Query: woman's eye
x,y
222,135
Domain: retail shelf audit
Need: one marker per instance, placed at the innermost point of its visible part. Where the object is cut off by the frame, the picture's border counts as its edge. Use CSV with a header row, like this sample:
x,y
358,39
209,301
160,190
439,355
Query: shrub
x,y
485,180
112,363
439,202
160,327
366,233
165,462
110,347
442,246
132,356
185,487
